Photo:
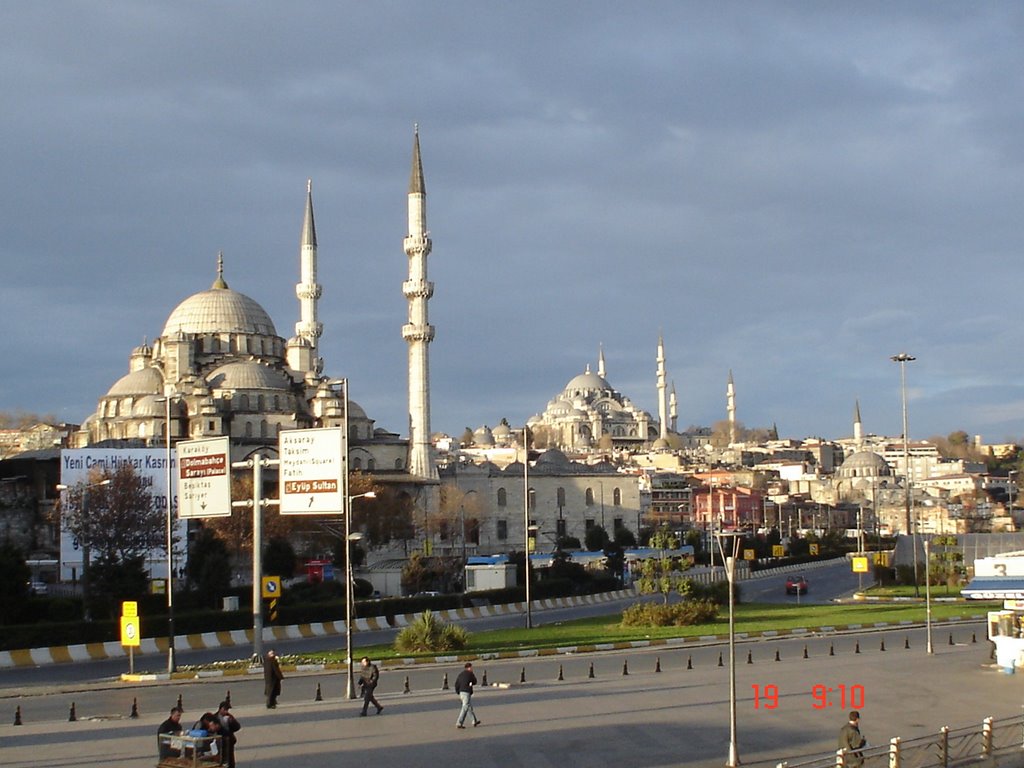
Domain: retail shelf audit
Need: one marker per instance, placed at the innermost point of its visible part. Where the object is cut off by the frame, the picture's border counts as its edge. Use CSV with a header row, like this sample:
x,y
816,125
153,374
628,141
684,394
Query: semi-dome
x,y
147,381
152,406
553,457
247,375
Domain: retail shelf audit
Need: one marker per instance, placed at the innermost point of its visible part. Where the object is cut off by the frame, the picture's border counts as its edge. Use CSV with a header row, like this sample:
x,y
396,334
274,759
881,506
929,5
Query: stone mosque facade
x,y
589,407
227,371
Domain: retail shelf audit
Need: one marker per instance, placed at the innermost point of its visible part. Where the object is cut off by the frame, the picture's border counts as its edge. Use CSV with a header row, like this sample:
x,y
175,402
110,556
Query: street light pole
x,y
172,665
526,524
903,358
350,690
730,572
928,593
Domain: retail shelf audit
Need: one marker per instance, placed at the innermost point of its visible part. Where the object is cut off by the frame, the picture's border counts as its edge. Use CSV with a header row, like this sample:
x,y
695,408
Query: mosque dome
x,y
553,458
587,381
247,375
152,406
865,464
355,411
219,310
147,381
482,436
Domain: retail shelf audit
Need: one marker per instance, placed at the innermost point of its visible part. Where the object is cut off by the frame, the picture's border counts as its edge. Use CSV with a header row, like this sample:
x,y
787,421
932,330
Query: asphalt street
x,y
678,716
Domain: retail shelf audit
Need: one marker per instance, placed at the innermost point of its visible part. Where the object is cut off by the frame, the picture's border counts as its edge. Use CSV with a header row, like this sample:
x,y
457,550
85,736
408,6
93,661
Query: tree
x,y
14,577
209,565
663,575
625,537
596,538
118,522
279,559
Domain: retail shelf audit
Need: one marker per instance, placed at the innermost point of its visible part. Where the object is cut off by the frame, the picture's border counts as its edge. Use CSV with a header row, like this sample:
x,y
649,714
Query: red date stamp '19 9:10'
x,y
822,696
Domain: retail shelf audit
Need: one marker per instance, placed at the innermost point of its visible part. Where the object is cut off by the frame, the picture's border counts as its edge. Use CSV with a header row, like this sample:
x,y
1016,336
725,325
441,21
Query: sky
x,y
791,191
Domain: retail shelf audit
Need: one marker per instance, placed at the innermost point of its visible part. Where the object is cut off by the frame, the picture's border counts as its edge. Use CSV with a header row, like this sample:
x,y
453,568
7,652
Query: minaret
x,y
307,289
673,409
858,433
418,332
730,407
662,392
600,361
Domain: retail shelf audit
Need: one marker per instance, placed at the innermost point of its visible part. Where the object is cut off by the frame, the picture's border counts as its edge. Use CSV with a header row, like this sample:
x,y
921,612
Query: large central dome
x,y
219,310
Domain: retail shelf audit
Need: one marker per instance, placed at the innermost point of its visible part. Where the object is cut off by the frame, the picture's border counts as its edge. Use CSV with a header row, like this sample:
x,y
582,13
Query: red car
x,y
796,585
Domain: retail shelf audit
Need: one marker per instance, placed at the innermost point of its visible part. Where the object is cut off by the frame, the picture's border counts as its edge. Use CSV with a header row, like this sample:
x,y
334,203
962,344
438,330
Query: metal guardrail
x,y
949,748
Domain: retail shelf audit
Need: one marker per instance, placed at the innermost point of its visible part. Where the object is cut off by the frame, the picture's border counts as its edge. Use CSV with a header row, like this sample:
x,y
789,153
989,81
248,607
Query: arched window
x,y
617,497
560,497
590,497
263,429
357,463
259,403
398,463
502,498
371,465
248,429
532,498
243,402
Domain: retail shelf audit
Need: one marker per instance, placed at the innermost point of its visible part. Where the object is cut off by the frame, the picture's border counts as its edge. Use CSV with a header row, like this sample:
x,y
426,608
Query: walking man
x,y
851,742
464,687
368,677
272,677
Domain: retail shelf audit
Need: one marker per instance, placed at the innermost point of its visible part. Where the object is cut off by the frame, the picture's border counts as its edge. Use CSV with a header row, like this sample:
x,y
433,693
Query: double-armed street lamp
x,y
903,358
350,692
730,572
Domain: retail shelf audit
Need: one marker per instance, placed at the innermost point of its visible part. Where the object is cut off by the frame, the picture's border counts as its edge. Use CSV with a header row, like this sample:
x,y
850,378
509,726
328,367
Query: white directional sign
x,y
313,471
204,478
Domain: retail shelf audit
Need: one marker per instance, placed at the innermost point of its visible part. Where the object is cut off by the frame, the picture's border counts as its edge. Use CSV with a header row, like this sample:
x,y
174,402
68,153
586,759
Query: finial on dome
x,y
309,186
219,283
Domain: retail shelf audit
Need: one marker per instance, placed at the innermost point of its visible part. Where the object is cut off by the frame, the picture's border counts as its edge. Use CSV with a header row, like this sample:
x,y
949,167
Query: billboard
x,y
150,465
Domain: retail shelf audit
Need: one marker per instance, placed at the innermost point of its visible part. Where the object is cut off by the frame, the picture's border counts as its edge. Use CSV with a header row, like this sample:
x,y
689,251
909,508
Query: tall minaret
x,y
673,409
858,433
730,407
600,361
662,392
418,332
307,289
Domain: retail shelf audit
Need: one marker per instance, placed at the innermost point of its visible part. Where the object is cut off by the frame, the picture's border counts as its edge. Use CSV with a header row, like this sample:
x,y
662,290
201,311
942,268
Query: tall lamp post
x,y
730,572
350,691
84,512
172,664
526,523
928,593
903,358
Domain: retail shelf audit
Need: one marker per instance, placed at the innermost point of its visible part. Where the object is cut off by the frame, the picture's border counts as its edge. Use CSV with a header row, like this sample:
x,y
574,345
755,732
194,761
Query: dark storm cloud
x,y
790,191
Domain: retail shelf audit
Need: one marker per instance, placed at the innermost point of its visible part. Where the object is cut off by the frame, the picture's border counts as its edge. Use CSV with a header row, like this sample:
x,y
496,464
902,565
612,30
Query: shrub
x,y
682,614
718,592
428,634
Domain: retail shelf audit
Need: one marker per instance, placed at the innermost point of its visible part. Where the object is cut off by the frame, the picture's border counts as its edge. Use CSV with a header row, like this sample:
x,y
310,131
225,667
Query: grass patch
x,y
904,590
750,618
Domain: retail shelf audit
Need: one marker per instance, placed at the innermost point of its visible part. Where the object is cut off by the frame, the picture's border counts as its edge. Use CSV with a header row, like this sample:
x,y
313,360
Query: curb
x,y
35,657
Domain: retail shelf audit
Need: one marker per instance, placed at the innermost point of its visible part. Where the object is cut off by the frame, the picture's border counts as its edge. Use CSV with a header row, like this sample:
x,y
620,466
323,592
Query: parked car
x,y
38,587
796,585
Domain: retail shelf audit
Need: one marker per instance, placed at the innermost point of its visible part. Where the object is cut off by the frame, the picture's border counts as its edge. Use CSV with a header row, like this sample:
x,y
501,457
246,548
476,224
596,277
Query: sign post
x,y
313,471
130,638
204,478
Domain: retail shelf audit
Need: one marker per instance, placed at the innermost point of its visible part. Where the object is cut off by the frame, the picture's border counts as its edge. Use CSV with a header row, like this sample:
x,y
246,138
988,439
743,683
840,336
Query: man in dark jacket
x,y
172,725
852,742
272,677
368,677
228,727
464,687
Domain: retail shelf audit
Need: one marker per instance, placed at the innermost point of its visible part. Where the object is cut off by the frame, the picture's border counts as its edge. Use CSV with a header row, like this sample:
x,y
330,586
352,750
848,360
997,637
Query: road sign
x,y
129,609
313,471
204,478
749,554
812,549
860,564
778,550
130,631
271,587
